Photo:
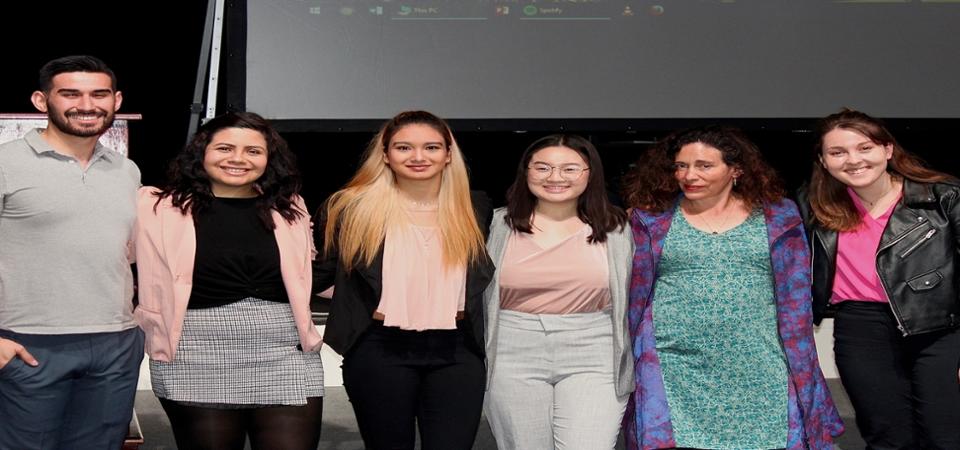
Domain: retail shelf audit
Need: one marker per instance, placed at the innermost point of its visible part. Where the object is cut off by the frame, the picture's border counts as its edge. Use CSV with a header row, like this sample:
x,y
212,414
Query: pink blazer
x,y
165,242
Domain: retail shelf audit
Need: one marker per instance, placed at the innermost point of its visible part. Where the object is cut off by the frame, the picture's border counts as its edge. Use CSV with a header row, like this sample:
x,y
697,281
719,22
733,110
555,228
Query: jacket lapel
x,y
479,274
780,218
179,241
373,273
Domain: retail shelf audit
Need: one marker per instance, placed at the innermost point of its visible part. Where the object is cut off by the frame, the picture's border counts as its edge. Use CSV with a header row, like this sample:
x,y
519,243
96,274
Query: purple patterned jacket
x,y
813,419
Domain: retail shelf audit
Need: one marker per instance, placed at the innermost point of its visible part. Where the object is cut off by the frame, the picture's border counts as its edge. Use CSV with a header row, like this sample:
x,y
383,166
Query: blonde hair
x,y
359,215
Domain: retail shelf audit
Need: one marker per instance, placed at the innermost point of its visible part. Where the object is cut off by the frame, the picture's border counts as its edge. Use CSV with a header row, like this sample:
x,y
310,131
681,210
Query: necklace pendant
x,y
715,232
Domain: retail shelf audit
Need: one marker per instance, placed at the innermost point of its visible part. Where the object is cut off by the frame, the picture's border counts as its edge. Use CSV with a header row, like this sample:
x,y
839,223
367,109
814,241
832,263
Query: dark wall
x,y
329,159
154,51
153,47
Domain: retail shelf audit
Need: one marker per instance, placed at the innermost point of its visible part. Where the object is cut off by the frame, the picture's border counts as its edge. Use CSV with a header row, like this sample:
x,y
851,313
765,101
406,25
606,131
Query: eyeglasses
x,y
572,172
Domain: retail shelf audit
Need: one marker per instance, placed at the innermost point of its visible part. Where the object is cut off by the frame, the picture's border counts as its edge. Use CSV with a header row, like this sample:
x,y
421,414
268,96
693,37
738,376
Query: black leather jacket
x,y
917,259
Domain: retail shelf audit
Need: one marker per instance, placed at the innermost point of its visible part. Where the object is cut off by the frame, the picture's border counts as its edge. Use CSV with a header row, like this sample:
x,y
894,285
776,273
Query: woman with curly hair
x,y
403,247
885,234
224,256
720,303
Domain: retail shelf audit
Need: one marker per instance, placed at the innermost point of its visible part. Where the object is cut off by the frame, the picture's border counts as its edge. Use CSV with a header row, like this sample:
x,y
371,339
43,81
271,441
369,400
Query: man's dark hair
x,y
76,63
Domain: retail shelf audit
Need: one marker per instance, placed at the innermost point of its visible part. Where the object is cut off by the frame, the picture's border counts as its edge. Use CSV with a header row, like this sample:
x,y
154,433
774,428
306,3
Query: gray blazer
x,y
620,259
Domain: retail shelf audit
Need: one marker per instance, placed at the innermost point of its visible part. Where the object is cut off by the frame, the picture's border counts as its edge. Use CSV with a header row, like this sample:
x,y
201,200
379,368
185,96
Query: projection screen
x,y
598,59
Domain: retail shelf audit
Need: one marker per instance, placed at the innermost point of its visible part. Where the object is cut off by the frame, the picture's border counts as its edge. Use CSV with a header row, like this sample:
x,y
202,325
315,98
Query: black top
x,y
237,257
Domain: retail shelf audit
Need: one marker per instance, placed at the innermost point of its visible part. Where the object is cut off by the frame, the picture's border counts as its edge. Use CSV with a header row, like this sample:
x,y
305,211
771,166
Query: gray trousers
x,y
553,384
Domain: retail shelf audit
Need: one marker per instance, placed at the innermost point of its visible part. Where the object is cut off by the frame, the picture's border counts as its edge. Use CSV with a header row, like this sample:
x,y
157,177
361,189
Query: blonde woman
x,y
403,246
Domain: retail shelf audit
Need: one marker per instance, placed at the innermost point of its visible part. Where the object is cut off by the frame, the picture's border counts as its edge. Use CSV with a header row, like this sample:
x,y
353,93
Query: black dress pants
x,y
398,380
904,390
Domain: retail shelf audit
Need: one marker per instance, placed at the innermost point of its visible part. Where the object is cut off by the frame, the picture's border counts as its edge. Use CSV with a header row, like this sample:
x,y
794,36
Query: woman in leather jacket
x,y
885,233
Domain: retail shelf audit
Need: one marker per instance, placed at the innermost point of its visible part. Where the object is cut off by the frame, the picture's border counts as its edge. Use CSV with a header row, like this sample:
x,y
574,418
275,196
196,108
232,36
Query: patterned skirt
x,y
239,355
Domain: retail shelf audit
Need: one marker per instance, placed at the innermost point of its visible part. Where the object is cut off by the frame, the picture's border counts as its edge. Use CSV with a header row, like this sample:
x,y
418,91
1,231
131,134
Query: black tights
x,y
269,427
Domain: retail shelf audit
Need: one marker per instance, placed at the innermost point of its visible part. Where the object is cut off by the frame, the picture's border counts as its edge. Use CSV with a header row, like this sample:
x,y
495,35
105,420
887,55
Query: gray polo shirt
x,y
63,239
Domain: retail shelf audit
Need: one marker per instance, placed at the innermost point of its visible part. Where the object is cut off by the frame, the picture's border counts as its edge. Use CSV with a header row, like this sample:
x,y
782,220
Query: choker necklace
x,y
417,205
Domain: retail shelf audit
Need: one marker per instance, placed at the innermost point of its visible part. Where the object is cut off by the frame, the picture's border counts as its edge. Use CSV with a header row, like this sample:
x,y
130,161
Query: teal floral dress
x,y
715,322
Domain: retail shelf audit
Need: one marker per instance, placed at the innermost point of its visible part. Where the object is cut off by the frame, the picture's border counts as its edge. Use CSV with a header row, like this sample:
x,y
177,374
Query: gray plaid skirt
x,y
243,354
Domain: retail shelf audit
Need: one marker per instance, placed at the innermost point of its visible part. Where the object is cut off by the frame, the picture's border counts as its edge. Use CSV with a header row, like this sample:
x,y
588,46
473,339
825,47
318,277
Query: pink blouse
x,y
569,277
856,277
418,292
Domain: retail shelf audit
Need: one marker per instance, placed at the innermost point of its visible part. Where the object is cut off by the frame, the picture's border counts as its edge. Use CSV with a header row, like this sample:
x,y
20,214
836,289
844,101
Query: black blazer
x,y
357,293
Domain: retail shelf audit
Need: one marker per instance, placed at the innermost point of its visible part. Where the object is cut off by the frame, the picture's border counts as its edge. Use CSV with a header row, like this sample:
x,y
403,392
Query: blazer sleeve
x,y
325,264
483,209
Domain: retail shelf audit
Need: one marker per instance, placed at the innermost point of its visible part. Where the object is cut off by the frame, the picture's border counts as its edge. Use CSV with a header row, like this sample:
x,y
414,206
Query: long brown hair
x,y
831,205
652,184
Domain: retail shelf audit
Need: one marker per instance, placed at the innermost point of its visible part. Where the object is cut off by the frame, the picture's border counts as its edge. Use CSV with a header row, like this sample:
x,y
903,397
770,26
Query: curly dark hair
x,y
188,184
652,184
593,207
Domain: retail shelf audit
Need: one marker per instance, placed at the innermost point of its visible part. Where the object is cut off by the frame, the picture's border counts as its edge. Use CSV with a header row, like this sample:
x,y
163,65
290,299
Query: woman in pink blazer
x,y
224,262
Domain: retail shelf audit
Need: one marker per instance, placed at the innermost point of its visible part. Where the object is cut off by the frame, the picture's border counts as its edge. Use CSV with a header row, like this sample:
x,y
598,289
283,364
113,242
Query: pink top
x,y
419,293
569,277
856,277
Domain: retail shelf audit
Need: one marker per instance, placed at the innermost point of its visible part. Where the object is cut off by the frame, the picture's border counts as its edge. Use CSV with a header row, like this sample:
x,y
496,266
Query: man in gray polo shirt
x,y
69,348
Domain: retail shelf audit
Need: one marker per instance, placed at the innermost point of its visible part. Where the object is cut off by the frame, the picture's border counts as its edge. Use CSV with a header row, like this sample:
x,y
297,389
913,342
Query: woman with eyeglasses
x,y
720,311
885,234
559,363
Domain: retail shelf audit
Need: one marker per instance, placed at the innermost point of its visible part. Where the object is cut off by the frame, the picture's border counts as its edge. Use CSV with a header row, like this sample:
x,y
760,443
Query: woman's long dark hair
x,y
652,185
188,184
832,206
593,206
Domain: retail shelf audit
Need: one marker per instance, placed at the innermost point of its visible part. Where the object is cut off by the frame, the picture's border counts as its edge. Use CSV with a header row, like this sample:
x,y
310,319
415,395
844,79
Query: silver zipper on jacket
x,y
917,244
896,314
893,307
903,236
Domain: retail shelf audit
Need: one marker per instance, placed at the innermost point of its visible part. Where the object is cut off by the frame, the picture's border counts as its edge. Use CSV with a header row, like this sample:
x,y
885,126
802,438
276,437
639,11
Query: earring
x,y
734,181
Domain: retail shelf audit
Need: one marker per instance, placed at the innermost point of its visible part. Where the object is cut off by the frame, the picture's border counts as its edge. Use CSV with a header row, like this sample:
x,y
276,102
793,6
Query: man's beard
x,y
62,121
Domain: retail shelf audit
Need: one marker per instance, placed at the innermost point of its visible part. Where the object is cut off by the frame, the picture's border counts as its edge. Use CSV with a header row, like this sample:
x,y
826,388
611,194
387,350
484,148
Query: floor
x,y
340,430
